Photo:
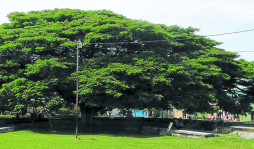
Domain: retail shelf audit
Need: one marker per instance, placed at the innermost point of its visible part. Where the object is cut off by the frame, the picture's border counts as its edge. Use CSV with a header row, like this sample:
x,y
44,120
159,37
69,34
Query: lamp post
x,y
79,45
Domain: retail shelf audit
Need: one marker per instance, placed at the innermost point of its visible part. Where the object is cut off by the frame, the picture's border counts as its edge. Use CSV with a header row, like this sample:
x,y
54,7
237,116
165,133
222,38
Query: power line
x,y
141,42
175,39
153,51
231,33
240,51
122,50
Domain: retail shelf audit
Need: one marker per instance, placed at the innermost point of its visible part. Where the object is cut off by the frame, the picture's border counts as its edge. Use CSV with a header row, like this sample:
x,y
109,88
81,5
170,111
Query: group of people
x,y
212,117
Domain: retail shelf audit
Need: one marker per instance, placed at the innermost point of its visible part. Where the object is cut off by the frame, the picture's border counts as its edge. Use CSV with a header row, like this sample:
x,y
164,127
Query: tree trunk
x,y
17,116
83,120
87,114
33,117
49,118
50,122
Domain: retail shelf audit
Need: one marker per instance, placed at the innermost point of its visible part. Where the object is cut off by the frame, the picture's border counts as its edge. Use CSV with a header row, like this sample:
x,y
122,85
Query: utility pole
x,y
79,45
222,106
222,118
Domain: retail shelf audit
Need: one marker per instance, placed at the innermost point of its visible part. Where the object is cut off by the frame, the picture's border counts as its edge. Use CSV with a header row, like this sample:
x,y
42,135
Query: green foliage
x,y
4,117
7,116
63,109
38,59
52,103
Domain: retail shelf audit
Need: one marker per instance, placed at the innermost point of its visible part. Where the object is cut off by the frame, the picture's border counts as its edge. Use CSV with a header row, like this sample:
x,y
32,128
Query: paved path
x,y
193,133
242,128
6,129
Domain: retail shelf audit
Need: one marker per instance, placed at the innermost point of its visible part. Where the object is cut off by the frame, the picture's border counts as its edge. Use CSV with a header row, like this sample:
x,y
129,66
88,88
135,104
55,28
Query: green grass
x,y
11,116
44,139
7,116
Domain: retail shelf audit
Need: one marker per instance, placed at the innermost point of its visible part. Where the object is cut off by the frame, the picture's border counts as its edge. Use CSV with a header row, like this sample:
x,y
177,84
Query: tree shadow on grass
x,y
91,130
103,127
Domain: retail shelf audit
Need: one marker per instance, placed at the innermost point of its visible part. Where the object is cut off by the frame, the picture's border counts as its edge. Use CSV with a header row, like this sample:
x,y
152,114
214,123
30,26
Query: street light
x,y
79,45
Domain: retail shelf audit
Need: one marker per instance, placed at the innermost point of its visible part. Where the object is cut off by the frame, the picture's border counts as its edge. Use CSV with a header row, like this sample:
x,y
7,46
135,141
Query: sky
x,y
210,16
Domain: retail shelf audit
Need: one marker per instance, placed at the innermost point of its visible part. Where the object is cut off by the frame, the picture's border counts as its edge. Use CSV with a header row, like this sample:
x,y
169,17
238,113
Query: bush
x,y
64,110
6,112
7,116
11,116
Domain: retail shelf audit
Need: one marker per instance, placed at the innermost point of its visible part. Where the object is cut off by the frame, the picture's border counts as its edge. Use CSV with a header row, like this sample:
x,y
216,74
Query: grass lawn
x,y
61,139
11,116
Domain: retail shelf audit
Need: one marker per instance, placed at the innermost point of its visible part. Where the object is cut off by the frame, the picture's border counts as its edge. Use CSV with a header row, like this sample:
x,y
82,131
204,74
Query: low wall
x,y
210,125
139,122
21,120
2,123
164,122
156,130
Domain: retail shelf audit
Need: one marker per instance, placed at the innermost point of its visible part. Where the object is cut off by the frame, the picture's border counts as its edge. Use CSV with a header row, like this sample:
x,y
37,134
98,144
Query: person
x,y
39,115
209,116
203,117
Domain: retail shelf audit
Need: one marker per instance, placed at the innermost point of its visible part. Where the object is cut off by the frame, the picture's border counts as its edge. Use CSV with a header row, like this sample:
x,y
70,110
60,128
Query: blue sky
x,y
210,16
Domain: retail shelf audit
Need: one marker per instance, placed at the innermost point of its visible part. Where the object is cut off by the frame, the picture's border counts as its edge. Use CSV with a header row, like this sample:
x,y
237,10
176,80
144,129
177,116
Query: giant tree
x,y
123,63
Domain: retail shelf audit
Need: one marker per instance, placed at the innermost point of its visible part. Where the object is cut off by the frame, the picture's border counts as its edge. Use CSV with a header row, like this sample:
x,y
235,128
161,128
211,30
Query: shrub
x,y
6,112
64,110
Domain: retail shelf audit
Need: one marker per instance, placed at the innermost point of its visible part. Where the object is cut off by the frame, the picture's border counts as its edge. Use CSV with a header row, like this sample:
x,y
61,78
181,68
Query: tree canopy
x,y
123,63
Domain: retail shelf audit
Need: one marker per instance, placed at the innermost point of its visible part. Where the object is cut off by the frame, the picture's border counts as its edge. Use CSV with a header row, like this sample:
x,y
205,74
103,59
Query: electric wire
x,y
177,39
231,33
153,41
